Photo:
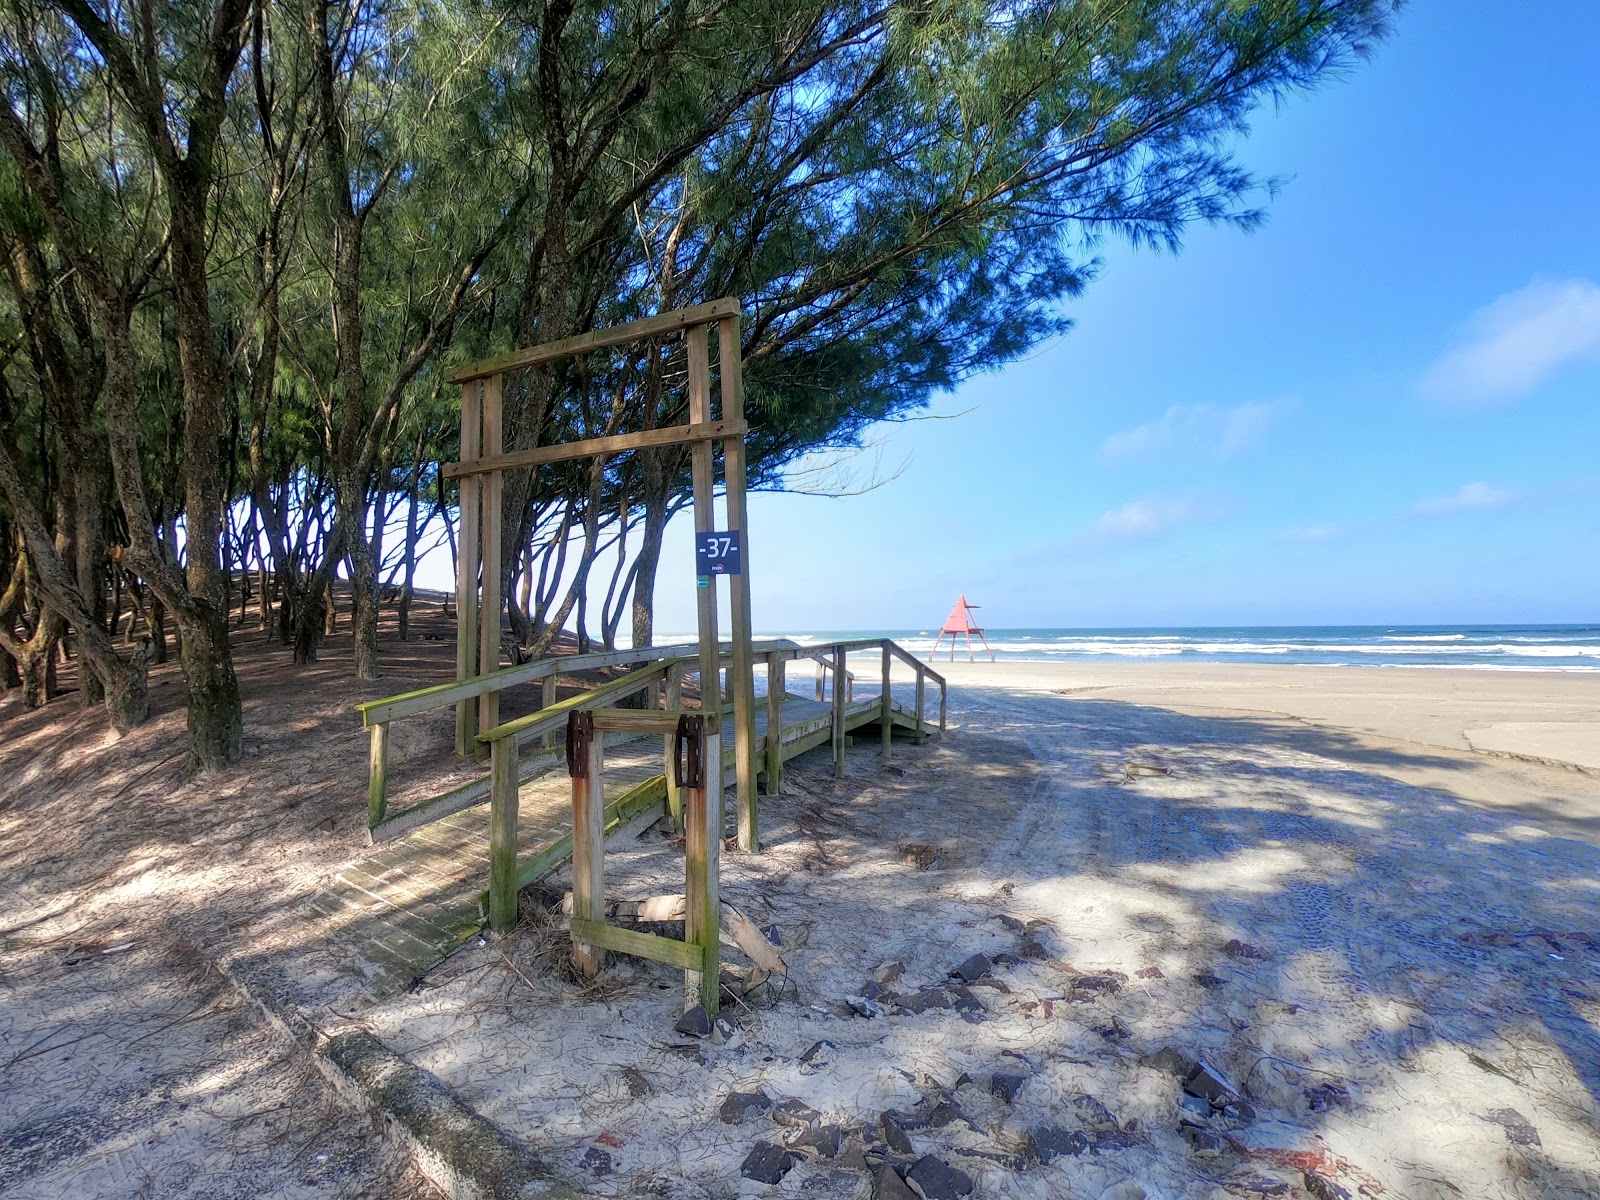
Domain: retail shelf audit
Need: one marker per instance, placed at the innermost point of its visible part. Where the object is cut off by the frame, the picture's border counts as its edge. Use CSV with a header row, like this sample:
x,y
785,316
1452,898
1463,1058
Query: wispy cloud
x,y
1516,343
1471,497
1207,430
1327,531
1144,520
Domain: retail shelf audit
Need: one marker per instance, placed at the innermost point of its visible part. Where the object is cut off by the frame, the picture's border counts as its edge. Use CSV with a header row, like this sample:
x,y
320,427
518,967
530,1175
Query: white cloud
x,y
1205,429
1472,497
1144,520
1516,343
1327,531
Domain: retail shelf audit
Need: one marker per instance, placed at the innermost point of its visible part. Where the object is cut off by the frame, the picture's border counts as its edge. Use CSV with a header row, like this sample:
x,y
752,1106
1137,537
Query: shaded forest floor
x,y
130,1066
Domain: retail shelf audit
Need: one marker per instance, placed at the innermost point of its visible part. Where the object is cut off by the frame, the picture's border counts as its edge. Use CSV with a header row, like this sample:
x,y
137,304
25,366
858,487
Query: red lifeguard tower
x,y
961,621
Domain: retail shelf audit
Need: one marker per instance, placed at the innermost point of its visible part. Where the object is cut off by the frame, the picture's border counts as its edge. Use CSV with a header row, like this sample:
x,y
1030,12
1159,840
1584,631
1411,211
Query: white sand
x,y
1429,916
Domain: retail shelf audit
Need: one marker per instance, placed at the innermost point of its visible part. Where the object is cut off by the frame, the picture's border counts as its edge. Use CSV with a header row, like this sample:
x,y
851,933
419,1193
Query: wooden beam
x,y
776,665
408,704
467,569
630,941
702,851
886,710
741,677
922,725
588,853
489,610
546,718
673,699
637,720
618,443
504,799
599,339
378,775
702,472
839,701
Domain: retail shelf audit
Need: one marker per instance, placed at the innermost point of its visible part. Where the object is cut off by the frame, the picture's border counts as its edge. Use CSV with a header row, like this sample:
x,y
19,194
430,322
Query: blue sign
x,y
717,553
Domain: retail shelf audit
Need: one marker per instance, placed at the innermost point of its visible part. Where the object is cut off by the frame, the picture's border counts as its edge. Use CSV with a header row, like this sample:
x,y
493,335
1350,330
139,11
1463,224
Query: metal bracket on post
x,y
580,736
688,748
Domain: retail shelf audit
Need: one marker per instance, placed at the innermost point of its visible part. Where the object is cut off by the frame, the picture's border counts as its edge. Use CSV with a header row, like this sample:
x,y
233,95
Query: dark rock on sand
x,y
1047,1143
766,1163
741,1106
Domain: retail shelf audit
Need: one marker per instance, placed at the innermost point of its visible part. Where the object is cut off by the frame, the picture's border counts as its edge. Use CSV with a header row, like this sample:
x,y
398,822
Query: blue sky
x,y
1380,408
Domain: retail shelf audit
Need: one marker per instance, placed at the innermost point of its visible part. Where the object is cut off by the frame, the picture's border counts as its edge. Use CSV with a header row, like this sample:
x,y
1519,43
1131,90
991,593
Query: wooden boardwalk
x,y
417,899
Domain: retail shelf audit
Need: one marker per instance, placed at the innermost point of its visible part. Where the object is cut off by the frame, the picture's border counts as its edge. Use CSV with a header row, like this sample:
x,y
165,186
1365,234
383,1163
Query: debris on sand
x,y
766,1163
1519,1130
742,1106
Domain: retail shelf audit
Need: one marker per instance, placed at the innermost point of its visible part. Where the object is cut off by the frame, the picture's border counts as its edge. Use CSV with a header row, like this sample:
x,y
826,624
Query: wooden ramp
x,y
418,898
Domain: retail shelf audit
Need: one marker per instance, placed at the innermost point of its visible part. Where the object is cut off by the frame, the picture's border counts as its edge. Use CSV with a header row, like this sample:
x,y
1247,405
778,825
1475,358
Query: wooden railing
x,y
658,672
668,663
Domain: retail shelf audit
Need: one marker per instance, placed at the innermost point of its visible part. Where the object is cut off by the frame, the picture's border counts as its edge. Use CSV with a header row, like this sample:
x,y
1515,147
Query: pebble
x,y
1093,1114
766,1163
1006,1085
862,1007
818,1054
826,1141
1202,1141
895,1131
935,1179
796,1114
925,1000
596,1161
1046,1143
889,973
696,1022
741,1106
889,1186
1205,1080
973,969
1245,950
1320,1187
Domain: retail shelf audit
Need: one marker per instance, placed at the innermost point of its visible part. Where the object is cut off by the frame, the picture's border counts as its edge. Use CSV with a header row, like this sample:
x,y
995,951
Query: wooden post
x,y
942,698
503,802
588,843
921,724
742,676
467,565
378,775
674,700
702,845
489,611
547,697
886,707
705,520
838,712
775,690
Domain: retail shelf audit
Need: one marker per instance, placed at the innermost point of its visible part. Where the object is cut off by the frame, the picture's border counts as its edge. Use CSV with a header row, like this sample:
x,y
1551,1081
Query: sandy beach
x,y
1341,889
1383,942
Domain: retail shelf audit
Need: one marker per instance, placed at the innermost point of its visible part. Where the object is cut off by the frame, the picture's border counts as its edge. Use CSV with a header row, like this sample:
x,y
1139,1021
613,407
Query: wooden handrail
x,y
556,715
409,704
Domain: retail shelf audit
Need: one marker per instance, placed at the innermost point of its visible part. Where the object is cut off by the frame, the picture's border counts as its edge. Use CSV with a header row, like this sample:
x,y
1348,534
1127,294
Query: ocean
x,y
1439,647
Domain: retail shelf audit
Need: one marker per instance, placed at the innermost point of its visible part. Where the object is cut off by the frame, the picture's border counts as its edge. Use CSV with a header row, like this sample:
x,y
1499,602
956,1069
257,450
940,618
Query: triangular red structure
x,y
961,621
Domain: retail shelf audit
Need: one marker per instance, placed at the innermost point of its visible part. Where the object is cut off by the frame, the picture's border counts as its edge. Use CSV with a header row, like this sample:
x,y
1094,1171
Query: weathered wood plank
x,y
491,489
599,339
467,568
378,775
590,932
616,443
505,794
588,851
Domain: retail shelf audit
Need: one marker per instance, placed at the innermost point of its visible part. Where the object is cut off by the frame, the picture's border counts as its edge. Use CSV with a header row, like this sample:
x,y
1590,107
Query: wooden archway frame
x,y
481,469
